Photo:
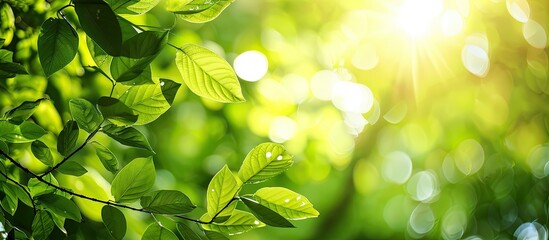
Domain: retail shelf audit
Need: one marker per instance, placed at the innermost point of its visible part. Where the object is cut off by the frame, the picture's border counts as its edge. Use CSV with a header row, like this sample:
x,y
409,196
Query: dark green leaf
x,y
147,101
61,206
101,58
186,232
23,196
11,69
66,141
42,153
285,202
207,74
116,111
239,222
215,236
169,89
72,168
265,161
37,188
167,202
157,232
265,214
59,221
42,225
4,147
57,45
22,112
100,24
132,6
199,11
26,132
134,180
31,131
107,158
85,114
221,190
114,221
10,201
128,136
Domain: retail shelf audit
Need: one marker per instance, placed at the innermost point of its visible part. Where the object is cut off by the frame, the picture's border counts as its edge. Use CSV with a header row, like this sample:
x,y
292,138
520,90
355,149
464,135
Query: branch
x,y
219,212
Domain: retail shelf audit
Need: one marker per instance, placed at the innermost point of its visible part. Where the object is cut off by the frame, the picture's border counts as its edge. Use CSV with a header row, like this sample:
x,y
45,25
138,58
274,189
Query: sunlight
x,y
416,17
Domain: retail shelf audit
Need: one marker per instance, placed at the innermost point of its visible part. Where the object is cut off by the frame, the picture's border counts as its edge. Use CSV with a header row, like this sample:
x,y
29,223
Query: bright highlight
x,y
415,17
251,66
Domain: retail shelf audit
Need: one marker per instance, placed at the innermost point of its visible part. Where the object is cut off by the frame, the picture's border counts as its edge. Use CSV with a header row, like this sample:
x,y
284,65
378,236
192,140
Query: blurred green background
x,y
406,118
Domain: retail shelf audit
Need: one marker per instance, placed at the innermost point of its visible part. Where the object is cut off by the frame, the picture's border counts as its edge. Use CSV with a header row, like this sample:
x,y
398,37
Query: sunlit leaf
x,y
128,136
107,158
22,112
37,188
10,201
132,6
72,168
263,162
66,141
221,190
199,11
116,111
265,214
187,232
26,132
42,225
61,206
167,202
225,213
285,202
147,101
239,222
85,114
114,221
134,180
100,24
207,74
59,221
57,45
157,232
42,153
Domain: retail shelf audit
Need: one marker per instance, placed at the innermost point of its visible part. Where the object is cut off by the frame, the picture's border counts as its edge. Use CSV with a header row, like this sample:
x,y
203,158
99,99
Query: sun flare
x,y
417,17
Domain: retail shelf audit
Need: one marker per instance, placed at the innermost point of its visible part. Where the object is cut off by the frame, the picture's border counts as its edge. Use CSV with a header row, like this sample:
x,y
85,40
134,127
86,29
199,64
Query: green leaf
x,y
4,147
225,213
42,225
10,201
57,45
37,188
128,136
66,141
169,89
116,111
72,168
22,195
114,221
61,206
285,202
107,158
215,236
264,161
100,24
187,232
199,11
26,132
134,180
85,114
265,214
157,232
132,6
221,190
207,74
130,71
239,222
59,222
22,112
167,202
42,153
147,101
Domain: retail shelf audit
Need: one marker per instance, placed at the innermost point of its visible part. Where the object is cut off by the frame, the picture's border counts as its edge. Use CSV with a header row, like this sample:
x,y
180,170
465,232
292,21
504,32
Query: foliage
x,y
123,52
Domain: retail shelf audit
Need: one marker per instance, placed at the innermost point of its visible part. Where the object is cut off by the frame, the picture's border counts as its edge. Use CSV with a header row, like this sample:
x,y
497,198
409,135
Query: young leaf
x,y
134,180
239,222
128,136
85,114
199,11
37,188
26,132
57,45
42,225
66,141
72,168
114,221
9,202
157,232
187,232
147,101
210,235
264,161
107,158
42,152
116,111
221,190
167,202
61,206
22,112
225,214
285,202
207,74
132,6
169,89
100,24
265,214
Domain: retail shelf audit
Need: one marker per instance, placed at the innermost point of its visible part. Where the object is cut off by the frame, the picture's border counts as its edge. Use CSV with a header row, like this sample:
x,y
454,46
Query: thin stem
x,y
112,89
22,187
226,206
176,47
73,152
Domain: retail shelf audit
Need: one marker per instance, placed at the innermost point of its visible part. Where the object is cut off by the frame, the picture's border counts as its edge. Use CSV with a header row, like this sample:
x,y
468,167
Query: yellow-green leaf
x,y
221,190
285,202
239,222
134,180
263,162
199,11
